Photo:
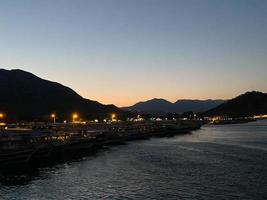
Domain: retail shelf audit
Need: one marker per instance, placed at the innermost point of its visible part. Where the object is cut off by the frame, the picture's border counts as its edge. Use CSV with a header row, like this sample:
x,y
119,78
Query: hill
x,y
248,104
25,96
185,105
153,106
162,106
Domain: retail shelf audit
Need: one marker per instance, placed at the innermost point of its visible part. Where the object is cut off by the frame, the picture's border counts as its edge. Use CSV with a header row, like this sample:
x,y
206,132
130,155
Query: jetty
x,y
21,145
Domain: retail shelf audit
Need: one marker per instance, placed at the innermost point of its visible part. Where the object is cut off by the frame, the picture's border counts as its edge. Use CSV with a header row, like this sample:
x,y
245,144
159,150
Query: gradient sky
x,y
124,51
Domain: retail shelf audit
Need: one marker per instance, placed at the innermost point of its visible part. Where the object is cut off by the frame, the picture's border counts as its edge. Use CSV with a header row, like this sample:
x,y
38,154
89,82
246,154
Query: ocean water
x,y
216,162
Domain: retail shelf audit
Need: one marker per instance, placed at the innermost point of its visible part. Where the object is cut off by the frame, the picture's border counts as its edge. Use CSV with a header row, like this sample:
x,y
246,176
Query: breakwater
x,y
31,144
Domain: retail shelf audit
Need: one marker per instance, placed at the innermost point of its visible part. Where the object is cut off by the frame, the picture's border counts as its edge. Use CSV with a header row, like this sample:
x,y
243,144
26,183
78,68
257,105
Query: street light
x,y
113,117
53,116
1,117
74,117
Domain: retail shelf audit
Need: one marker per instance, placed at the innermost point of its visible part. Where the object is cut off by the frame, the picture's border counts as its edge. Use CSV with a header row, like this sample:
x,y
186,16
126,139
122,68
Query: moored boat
x,y
21,146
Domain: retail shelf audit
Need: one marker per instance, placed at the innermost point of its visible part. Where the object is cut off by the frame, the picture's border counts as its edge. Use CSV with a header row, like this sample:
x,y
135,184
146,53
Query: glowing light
x,y
53,116
74,117
113,117
262,116
138,118
2,115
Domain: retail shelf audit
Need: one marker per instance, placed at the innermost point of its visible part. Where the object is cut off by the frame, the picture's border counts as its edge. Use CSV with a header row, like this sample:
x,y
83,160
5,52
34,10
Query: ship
x,y
22,146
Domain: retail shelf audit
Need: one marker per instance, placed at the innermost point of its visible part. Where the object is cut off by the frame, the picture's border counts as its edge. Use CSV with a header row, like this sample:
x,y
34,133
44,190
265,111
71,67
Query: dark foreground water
x,y
216,162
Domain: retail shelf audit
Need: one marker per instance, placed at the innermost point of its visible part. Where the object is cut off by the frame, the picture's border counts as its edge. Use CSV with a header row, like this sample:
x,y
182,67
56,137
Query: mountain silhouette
x,y
248,104
162,106
25,96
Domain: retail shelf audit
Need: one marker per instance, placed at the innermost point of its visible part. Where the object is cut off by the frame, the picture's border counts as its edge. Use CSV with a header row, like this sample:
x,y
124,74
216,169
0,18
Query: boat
x,y
17,146
26,145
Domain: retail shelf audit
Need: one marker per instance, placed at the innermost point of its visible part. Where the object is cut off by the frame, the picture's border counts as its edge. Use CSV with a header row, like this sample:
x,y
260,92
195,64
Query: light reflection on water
x,y
216,162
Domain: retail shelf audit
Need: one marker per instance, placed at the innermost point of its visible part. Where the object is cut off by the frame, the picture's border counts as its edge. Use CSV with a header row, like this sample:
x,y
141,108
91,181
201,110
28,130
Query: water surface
x,y
216,162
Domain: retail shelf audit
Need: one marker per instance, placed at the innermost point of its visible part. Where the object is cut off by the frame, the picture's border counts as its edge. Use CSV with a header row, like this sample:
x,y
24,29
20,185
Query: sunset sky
x,y
125,51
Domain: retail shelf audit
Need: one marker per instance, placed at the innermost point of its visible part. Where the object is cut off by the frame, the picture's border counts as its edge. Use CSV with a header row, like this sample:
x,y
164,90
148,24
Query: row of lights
x,y
53,116
75,116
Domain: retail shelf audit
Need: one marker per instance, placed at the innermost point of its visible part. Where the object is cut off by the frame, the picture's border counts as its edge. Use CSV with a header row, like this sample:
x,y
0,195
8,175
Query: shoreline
x,y
38,147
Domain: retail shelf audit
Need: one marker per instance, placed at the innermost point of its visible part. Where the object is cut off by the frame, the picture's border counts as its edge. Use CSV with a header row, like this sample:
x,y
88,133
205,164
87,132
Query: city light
x,y
74,117
113,117
53,116
1,117
139,118
262,116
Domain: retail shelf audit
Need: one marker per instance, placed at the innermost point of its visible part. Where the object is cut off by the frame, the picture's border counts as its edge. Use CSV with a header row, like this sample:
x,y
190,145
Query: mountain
x,y
248,104
25,96
153,106
185,105
162,106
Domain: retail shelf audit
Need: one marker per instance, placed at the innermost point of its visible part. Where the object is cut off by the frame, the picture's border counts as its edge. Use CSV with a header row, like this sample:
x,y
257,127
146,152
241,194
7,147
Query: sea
x,y
217,162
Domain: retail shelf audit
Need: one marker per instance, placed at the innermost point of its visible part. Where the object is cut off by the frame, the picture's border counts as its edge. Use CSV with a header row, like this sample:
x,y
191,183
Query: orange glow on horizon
x,y
131,98
124,100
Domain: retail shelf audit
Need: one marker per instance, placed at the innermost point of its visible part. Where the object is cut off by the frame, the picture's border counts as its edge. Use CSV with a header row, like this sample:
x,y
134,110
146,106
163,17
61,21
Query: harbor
x,y
31,144
154,168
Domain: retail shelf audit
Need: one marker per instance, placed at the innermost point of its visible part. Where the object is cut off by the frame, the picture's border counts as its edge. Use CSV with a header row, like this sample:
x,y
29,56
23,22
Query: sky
x,y
124,51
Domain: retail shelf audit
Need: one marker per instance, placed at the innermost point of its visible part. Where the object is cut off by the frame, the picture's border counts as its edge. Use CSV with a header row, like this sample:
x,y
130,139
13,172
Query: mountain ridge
x,y
247,104
162,106
25,96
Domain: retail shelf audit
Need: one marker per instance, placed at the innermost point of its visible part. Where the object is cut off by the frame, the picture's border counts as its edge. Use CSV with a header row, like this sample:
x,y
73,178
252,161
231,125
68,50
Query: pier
x,y
34,144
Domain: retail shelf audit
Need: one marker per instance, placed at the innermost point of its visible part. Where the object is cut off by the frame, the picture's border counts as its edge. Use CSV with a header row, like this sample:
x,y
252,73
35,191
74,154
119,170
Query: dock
x,y
31,144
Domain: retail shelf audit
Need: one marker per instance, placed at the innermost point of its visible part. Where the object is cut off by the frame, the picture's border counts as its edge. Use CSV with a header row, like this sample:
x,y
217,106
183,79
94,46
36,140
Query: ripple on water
x,y
222,162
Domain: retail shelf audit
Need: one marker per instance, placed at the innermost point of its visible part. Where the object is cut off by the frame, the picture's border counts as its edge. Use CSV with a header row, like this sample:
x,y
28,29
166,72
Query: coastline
x,y
35,147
